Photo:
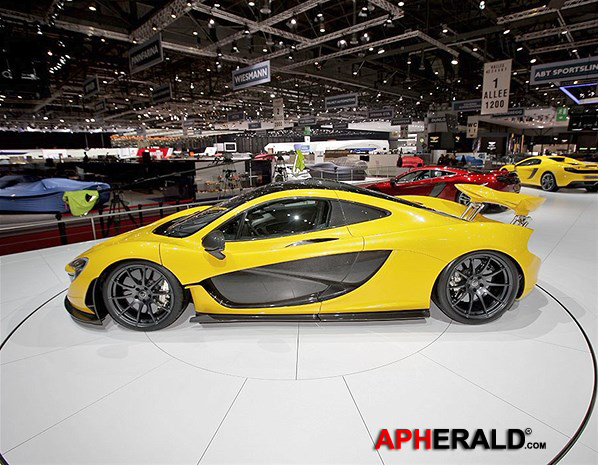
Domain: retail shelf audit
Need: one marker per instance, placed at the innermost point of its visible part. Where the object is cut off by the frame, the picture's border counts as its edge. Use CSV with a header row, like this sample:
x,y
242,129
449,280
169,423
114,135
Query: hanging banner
x,y
401,121
278,113
146,55
511,113
100,106
340,126
496,87
564,70
472,127
467,105
255,125
307,121
251,75
381,114
162,94
341,101
91,86
232,116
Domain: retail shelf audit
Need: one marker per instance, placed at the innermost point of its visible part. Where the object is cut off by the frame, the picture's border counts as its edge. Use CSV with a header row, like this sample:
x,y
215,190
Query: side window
x,y
282,217
533,161
445,173
411,176
358,213
424,174
230,229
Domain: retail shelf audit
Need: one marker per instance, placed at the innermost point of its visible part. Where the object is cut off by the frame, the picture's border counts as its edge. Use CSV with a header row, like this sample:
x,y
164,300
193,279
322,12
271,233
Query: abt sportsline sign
x,y
496,87
251,75
564,70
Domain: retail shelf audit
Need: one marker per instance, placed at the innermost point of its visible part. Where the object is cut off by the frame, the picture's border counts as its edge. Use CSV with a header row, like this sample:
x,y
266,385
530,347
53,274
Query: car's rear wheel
x,y
548,182
143,296
477,287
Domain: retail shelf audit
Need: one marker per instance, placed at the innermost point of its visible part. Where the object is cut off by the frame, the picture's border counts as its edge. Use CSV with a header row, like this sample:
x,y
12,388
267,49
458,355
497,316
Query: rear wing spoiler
x,y
521,204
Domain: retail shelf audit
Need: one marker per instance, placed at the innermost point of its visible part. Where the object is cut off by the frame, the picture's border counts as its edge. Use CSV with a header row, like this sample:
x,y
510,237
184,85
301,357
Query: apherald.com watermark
x,y
457,438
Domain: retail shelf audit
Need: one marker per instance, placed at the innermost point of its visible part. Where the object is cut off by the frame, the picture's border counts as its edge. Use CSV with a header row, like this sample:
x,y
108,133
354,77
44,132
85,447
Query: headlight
x,y
77,266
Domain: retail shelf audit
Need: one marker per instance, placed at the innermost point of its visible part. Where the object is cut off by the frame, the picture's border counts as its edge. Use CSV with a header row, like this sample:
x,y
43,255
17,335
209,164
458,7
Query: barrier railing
x,y
40,234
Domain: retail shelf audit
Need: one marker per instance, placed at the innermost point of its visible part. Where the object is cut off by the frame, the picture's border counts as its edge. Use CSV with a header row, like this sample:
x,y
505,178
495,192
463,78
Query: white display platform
x,y
302,392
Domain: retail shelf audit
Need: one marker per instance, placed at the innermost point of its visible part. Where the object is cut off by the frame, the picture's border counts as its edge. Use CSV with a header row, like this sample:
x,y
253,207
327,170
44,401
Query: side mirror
x,y
214,243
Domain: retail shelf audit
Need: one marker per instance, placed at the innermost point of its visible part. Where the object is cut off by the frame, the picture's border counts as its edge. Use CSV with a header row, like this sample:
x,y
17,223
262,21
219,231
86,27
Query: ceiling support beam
x,y
542,10
252,25
163,18
301,8
557,30
564,46
325,38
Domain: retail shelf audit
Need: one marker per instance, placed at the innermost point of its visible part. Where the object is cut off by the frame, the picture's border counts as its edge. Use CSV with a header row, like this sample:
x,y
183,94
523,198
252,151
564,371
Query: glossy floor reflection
x,y
301,393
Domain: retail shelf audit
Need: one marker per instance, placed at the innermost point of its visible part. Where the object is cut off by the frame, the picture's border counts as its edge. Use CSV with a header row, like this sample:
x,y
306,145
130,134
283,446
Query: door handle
x,y
313,241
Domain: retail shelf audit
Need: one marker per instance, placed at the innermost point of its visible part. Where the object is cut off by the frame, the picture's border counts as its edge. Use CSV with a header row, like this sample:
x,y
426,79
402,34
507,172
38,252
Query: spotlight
x,y
195,33
92,6
265,9
533,60
250,3
444,29
342,43
381,50
219,53
454,61
154,27
574,50
212,22
564,31
482,5
172,14
246,30
322,28
233,47
401,3
365,37
506,31
519,49
354,40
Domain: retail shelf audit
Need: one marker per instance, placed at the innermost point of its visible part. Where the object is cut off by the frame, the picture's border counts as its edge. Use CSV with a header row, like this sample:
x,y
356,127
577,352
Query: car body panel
x,y
531,169
440,181
389,263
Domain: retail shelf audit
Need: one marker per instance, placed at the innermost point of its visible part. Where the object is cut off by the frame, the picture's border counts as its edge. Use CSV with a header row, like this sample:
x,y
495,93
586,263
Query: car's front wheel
x,y
143,296
477,287
548,182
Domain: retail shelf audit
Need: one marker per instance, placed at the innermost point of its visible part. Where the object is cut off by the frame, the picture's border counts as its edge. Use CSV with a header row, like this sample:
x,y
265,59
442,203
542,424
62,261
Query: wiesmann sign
x,y
251,75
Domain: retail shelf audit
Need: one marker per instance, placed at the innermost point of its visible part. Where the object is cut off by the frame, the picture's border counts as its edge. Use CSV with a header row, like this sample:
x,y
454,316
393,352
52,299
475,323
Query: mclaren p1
x,y
312,250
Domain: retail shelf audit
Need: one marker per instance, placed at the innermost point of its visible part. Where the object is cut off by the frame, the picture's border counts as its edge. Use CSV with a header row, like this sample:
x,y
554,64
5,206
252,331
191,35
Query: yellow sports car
x,y
311,250
553,172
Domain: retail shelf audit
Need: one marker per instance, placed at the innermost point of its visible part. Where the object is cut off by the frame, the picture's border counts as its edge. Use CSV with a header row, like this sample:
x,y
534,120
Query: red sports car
x,y
439,181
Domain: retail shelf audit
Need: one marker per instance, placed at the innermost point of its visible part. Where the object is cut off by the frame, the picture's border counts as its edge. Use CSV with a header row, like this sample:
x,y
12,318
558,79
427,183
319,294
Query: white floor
x,y
302,393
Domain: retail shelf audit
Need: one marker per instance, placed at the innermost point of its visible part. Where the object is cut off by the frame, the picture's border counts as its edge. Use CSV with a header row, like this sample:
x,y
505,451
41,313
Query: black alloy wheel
x,y
143,296
477,287
548,182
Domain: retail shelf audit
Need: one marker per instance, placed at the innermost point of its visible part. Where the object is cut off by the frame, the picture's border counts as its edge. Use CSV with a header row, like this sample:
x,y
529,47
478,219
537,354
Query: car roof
x,y
324,184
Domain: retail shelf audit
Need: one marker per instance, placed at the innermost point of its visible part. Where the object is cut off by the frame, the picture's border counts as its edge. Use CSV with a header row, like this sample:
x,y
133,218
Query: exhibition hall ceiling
x,y
412,56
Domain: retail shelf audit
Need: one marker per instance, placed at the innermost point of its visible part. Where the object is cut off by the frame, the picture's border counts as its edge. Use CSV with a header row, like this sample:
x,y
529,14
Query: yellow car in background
x,y
553,172
311,250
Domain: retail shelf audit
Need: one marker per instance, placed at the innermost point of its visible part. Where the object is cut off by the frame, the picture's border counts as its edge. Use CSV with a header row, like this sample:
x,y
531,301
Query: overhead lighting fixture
x,y
381,50
574,50
533,60
212,22
154,27
482,5
564,31
401,3
342,43
322,28
519,49
506,31
250,3
246,30
195,33
92,6
172,14
354,40
454,61
444,29
265,9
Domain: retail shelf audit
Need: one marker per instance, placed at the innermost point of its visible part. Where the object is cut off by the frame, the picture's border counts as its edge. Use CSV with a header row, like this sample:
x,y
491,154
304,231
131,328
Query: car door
x,y
529,170
281,256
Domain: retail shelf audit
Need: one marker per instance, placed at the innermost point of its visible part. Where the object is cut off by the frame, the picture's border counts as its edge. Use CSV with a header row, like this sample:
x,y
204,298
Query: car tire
x,y
593,188
143,296
548,182
477,288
